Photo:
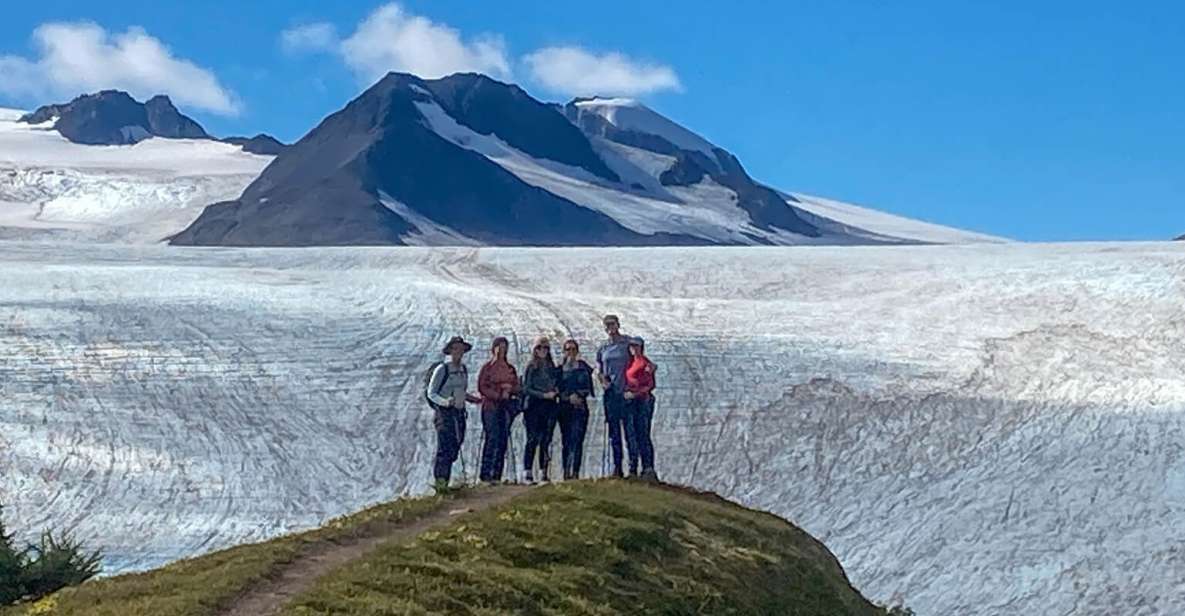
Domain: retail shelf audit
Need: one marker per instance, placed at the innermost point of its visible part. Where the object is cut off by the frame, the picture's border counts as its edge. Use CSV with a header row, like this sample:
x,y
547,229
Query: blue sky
x,y
1063,121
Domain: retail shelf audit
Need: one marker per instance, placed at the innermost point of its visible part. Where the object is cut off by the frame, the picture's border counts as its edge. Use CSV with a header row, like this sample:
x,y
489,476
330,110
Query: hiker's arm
x,y
600,373
649,388
590,391
434,384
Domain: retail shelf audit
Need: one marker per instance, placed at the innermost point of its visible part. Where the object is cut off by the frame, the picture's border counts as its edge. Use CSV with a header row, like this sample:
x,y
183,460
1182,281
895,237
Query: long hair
x,y
535,361
499,341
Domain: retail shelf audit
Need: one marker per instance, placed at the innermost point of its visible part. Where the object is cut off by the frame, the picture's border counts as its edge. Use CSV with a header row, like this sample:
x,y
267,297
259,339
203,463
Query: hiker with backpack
x,y
542,394
576,387
613,357
447,391
639,404
498,384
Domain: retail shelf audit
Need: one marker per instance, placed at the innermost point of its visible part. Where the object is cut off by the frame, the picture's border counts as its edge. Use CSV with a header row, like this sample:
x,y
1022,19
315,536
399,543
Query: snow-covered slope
x,y
972,429
50,187
889,225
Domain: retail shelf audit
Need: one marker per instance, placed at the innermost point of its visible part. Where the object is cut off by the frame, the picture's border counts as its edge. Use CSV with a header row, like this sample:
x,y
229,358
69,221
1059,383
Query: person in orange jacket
x,y
639,402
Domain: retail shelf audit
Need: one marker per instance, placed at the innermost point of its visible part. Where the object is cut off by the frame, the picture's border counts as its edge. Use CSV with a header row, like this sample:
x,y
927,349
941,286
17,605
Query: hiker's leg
x,y
547,433
493,444
446,437
563,417
631,433
614,419
642,426
505,418
579,427
531,423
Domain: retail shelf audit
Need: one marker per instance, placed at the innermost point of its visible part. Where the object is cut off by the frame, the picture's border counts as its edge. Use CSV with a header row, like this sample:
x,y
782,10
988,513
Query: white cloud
x,y
576,72
318,36
391,39
79,57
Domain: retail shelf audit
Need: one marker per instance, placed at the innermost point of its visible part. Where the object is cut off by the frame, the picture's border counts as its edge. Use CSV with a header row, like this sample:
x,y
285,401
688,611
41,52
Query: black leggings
x,y
539,419
573,426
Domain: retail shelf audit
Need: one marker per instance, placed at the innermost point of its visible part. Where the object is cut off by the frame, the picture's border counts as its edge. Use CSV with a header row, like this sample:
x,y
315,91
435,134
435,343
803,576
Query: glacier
x,y
51,188
988,429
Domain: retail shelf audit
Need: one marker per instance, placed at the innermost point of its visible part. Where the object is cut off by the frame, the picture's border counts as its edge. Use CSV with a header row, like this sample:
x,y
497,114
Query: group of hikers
x,y
547,394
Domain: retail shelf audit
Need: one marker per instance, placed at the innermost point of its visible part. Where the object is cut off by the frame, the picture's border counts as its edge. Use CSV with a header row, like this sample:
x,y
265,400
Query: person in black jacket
x,y
576,387
541,386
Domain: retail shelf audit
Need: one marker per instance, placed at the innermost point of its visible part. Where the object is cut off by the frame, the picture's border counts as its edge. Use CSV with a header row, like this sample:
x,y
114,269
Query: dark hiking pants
x,y
540,420
450,435
620,428
495,425
641,415
573,426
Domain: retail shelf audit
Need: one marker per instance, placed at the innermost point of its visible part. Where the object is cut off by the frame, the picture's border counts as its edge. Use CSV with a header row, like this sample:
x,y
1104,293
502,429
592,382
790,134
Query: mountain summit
x,y
112,117
409,162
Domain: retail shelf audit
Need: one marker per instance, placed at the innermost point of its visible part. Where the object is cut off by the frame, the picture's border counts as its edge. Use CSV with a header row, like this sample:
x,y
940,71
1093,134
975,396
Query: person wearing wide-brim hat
x,y
447,393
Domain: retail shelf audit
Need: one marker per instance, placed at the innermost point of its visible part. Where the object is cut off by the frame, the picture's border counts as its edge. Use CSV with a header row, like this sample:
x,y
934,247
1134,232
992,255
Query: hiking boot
x,y
649,475
530,480
617,474
545,479
441,486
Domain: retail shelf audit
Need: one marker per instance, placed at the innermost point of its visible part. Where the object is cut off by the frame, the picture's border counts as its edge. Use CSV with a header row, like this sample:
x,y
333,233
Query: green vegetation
x,y
597,548
201,586
55,562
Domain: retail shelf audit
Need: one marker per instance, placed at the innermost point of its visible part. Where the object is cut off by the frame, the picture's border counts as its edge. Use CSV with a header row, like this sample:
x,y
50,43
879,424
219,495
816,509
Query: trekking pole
x,y
510,451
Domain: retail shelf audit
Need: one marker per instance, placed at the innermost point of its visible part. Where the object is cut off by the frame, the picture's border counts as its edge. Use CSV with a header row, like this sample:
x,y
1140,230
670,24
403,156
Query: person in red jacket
x,y
499,388
639,401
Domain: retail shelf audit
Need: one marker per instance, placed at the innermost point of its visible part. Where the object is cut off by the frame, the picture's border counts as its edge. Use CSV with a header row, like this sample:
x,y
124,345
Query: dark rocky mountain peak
x,y
376,172
264,144
113,117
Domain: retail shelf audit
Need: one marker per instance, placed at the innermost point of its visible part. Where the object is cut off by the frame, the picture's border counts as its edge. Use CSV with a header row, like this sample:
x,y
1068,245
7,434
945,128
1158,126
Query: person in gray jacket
x,y
447,393
542,394
613,357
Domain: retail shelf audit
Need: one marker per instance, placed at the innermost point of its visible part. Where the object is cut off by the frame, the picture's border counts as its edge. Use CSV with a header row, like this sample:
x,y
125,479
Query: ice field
x,y
989,429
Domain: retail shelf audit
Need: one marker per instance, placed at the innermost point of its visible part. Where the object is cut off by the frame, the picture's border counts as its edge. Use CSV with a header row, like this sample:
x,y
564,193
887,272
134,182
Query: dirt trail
x,y
321,558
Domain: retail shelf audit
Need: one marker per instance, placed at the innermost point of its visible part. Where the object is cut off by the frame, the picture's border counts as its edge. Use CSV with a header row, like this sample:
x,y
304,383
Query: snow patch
x,y
629,114
706,210
428,232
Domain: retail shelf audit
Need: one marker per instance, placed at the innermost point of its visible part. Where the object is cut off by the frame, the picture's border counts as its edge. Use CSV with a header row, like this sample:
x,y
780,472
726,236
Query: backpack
x,y
428,381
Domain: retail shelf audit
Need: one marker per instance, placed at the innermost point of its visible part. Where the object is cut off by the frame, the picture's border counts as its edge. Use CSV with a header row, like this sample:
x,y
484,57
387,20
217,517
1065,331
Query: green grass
x,y
607,547
201,586
597,548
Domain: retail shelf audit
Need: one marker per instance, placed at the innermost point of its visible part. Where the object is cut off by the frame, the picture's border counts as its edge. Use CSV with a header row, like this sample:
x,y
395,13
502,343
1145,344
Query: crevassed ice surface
x,y
976,429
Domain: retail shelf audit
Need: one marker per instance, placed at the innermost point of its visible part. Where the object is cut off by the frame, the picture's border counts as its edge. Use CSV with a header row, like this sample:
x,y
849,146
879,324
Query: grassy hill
x,y
594,548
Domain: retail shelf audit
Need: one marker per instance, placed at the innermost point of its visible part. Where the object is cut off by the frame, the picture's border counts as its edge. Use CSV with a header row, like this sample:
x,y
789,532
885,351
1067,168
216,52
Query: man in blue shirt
x,y
613,357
